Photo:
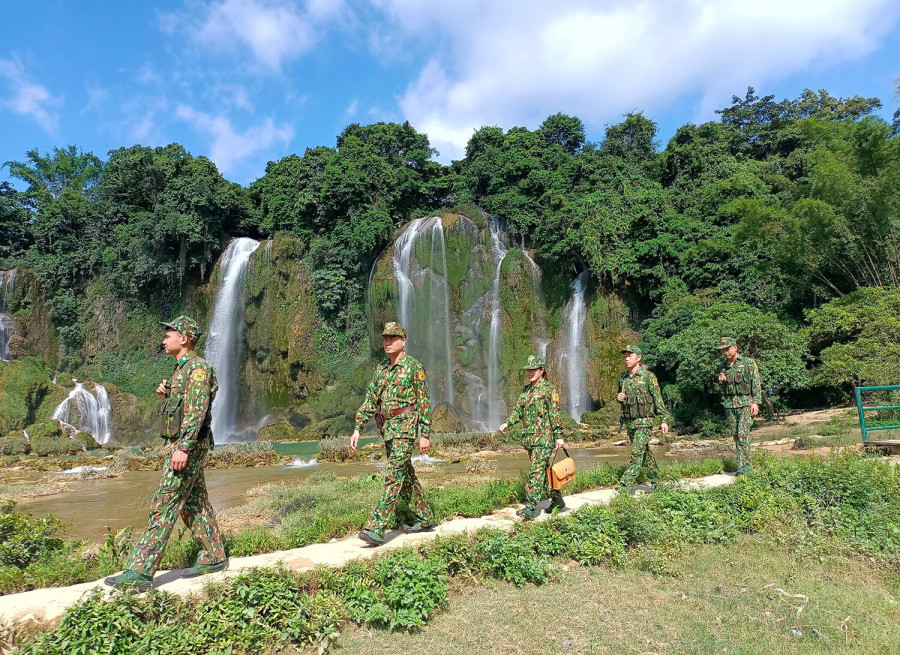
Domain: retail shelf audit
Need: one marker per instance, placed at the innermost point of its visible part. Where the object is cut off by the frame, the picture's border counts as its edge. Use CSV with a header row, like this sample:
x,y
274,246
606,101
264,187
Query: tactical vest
x,y
638,405
737,381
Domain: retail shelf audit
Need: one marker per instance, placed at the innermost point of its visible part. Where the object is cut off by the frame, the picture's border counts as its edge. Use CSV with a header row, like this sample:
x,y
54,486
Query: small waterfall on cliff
x,y
541,341
223,346
92,412
420,271
574,353
495,403
7,284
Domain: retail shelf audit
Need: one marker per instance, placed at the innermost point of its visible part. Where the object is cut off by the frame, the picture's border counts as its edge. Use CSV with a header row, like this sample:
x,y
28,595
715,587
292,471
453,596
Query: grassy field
x,y
750,596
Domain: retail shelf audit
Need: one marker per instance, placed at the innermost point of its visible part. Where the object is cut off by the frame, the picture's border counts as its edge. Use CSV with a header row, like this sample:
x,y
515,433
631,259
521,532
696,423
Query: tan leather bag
x,y
562,472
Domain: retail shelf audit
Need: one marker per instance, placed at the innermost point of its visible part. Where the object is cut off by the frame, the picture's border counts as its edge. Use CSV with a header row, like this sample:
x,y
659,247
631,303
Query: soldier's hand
x,y
503,428
722,377
179,460
560,443
354,440
161,389
664,427
754,410
424,445
621,397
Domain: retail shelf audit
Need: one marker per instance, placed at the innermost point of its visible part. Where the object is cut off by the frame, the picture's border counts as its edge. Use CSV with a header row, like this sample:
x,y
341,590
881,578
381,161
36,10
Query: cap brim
x,y
168,326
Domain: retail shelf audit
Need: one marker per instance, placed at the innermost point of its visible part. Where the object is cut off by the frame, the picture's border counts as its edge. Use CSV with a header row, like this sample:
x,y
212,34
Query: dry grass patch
x,y
746,598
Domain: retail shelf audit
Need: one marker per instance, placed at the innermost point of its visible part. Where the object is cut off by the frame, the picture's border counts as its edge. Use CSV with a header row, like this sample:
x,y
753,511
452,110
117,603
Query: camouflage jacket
x,y
538,410
643,399
393,387
195,382
742,386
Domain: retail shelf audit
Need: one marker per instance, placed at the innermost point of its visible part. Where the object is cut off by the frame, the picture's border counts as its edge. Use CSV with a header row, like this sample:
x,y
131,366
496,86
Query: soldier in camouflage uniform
x,y
538,411
641,402
398,398
187,395
741,396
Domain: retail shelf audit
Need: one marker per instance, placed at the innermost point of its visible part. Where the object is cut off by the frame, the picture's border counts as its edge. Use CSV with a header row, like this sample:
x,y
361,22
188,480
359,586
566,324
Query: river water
x,y
94,505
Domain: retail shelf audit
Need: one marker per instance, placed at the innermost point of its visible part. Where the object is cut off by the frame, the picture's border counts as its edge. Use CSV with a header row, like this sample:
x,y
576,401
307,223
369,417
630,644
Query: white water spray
x,y
224,345
83,410
7,284
495,403
574,355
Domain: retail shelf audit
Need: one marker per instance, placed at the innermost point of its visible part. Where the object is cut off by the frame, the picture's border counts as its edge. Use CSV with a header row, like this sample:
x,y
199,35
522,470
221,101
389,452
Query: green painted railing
x,y
862,410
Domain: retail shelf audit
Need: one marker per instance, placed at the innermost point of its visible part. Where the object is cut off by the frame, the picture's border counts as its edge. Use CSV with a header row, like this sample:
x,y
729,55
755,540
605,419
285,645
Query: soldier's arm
x,y
555,422
196,406
755,385
423,404
367,409
518,411
661,410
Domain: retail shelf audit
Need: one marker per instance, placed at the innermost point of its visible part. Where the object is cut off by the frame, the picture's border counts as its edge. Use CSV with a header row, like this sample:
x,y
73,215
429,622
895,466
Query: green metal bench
x,y
862,417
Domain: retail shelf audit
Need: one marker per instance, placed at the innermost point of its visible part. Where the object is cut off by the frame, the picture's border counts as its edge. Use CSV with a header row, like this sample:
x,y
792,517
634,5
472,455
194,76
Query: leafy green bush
x,y
14,444
23,539
48,429
48,446
513,558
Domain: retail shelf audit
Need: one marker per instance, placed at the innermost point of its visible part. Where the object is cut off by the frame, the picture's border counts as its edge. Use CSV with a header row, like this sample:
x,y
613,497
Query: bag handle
x,y
556,453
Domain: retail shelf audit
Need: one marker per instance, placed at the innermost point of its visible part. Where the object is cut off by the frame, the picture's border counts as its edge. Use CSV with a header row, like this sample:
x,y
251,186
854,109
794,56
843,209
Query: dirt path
x,y
48,604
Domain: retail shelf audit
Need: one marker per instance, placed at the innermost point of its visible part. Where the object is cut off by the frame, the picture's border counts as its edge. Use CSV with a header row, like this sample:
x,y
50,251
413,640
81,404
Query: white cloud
x,y
273,31
96,97
28,97
228,146
514,63
350,112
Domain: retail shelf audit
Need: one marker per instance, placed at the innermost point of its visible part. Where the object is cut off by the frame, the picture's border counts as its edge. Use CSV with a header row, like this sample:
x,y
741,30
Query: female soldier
x,y
538,409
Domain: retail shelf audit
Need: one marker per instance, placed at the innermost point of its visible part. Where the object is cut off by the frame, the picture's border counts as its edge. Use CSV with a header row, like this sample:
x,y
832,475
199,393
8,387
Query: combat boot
x,y
418,527
556,503
203,569
130,580
527,513
371,537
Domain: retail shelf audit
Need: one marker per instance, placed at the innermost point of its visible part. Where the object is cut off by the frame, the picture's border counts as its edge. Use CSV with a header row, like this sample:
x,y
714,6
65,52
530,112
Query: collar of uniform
x,y
637,373
185,357
739,358
401,360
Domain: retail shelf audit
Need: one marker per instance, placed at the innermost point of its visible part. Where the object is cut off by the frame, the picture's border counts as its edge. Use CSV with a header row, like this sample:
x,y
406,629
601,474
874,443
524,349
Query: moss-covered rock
x,y
27,393
46,430
50,446
280,431
444,419
86,440
334,427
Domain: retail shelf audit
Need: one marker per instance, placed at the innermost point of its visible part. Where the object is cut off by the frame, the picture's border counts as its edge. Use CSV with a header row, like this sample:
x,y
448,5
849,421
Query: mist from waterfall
x,y
420,273
225,342
84,411
573,355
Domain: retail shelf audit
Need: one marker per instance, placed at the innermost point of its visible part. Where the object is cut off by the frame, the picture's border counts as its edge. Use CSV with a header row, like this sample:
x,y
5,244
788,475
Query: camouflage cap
x,y
726,342
393,329
630,348
185,326
534,362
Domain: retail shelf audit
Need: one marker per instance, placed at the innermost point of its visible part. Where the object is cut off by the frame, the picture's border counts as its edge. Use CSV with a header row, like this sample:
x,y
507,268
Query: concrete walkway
x,y
48,604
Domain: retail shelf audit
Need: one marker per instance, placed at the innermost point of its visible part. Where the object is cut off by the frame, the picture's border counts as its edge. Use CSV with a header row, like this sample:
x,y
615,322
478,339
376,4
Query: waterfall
x,y
93,412
420,272
7,284
574,354
495,403
223,346
540,339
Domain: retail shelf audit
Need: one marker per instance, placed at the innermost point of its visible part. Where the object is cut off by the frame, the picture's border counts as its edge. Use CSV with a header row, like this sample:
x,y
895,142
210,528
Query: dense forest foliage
x,y
777,224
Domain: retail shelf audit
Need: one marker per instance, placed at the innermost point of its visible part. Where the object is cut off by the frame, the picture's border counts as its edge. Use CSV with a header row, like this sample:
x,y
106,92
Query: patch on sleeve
x,y
199,375
420,375
554,396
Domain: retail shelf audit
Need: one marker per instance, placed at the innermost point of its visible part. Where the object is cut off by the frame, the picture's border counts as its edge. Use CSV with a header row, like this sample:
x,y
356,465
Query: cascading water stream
x,y
92,412
540,339
7,285
495,403
224,344
424,307
575,351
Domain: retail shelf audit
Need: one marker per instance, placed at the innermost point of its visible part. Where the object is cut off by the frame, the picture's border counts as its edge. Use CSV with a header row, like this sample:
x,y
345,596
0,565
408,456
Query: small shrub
x,y
49,430
49,446
14,444
513,558
23,539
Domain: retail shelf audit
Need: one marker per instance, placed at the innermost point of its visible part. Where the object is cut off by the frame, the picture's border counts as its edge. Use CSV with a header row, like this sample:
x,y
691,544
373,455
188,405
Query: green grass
x,y
775,563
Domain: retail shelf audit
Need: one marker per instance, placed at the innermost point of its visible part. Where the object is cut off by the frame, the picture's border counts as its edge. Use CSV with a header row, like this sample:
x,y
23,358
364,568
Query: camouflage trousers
x,y
640,457
400,481
739,422
180,493
537,487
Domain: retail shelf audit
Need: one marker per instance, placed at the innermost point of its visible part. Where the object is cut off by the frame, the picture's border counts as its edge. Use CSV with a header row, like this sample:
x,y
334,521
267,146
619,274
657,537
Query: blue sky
x,y
249,81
